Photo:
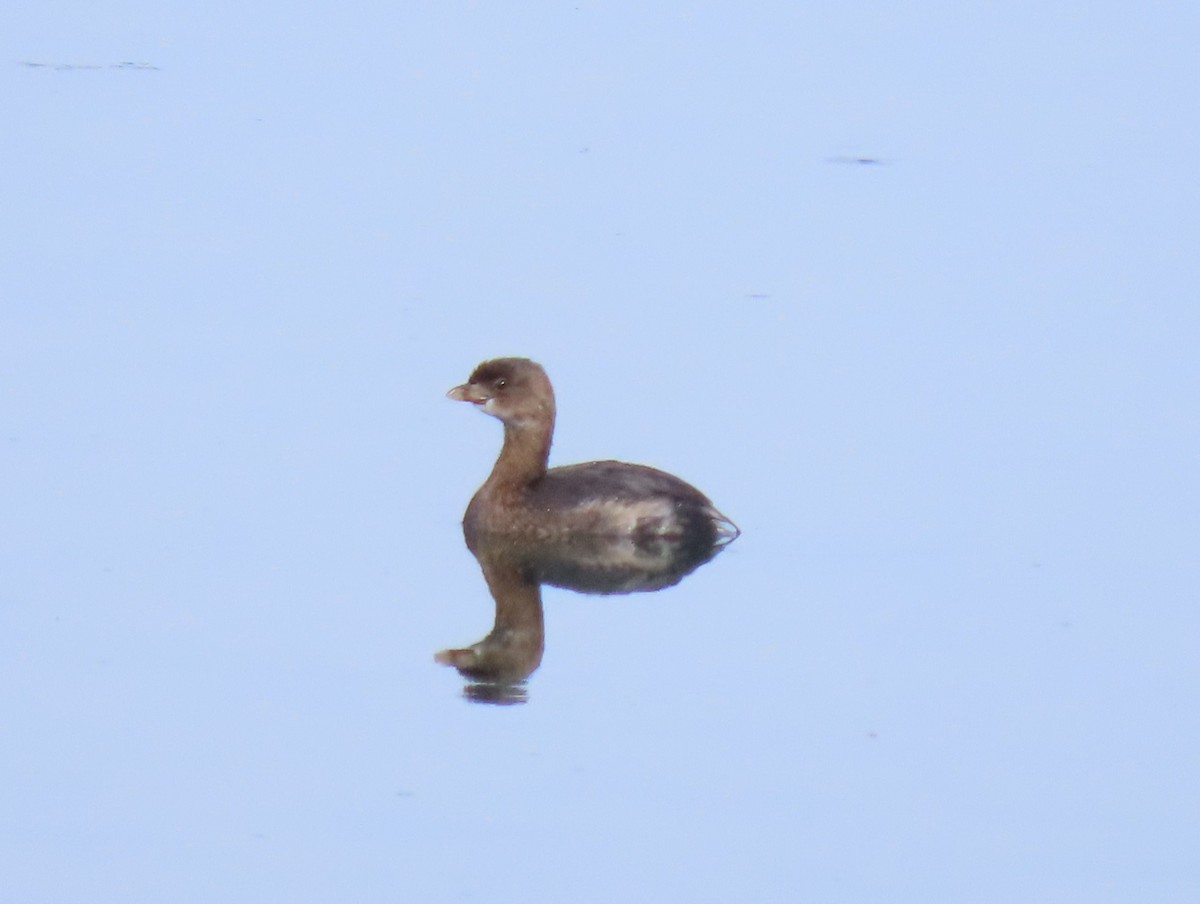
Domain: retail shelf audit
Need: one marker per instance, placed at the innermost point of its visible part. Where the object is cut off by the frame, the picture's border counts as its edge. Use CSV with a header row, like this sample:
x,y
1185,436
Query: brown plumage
x,y
601,498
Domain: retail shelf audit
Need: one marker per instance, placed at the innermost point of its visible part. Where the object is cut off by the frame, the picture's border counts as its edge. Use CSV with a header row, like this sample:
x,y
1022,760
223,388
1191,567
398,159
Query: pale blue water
x,y
950,399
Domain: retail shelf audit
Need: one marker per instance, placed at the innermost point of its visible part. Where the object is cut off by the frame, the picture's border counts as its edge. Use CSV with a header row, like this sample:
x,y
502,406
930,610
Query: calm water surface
x,y
949,399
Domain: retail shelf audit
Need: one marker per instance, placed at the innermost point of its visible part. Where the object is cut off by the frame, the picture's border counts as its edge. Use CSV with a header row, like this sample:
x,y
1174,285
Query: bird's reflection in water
x,y
515,570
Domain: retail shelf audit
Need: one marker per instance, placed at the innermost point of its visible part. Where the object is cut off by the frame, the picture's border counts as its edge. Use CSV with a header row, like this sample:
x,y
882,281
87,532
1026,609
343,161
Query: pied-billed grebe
x,y
602,498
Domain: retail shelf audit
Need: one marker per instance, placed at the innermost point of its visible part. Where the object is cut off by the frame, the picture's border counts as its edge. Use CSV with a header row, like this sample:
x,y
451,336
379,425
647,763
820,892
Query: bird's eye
x,y
500,384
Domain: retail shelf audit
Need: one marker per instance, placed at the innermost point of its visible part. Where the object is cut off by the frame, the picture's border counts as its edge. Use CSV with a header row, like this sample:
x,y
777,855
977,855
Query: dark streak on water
x,y
73,67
